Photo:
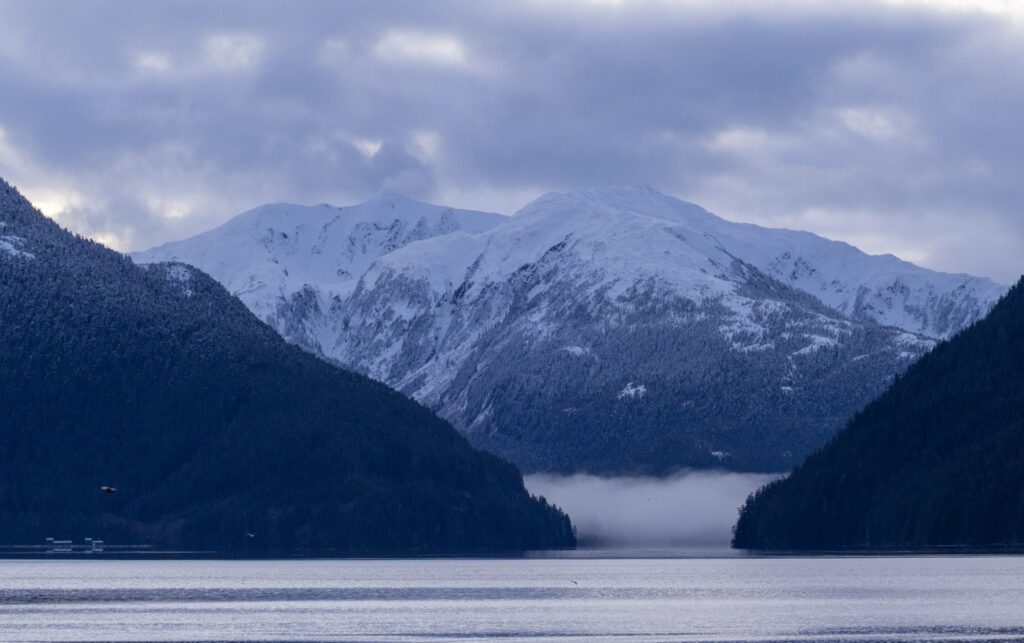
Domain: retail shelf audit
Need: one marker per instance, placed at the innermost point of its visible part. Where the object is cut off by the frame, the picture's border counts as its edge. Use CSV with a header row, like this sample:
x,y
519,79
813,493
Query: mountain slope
x,y
620,330
938,459
157,382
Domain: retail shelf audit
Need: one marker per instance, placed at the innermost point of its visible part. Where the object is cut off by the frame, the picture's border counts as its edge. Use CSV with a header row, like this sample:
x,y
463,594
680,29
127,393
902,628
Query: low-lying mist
x,y
692,508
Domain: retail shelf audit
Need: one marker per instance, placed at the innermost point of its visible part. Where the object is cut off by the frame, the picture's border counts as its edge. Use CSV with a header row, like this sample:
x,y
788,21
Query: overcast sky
x,y
896,126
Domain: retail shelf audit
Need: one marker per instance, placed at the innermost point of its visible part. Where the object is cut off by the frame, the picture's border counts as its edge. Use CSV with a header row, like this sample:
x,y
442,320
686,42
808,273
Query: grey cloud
x,y
898,127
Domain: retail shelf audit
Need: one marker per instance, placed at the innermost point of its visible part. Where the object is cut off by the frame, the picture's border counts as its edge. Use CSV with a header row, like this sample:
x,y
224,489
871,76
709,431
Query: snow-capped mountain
x,y
281,252
878,288
607,330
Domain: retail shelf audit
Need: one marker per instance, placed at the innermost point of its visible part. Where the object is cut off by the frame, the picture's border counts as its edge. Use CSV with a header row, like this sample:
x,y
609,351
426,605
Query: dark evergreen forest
x,y
215,432
937,460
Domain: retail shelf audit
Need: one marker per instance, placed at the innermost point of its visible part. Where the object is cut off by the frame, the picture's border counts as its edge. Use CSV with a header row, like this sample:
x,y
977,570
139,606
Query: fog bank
x,y
692,508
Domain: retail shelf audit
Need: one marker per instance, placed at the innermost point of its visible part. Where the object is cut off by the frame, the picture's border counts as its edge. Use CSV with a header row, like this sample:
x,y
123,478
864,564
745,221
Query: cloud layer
x,y
692,509
893,125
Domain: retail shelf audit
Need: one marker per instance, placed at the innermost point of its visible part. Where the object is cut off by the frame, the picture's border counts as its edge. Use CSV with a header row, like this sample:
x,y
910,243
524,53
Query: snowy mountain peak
x,y
635,200
882,289
630,235
390,200
267,254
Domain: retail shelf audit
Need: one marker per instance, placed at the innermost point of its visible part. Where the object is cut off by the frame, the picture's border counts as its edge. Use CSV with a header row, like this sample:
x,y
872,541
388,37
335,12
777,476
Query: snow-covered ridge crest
x,y
646,234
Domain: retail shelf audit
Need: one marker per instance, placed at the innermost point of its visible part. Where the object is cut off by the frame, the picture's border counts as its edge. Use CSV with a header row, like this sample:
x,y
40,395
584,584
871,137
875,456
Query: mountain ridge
x,y
521,332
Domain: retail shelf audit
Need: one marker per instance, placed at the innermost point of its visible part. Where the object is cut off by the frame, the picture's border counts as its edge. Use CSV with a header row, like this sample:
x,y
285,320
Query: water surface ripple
x,y
928,598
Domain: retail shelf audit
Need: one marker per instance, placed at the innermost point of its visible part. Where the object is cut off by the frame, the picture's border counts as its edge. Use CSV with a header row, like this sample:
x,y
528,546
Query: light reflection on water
x,y
529,599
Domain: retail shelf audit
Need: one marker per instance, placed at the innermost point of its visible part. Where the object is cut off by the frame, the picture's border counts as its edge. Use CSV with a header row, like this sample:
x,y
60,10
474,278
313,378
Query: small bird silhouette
x,y
108,489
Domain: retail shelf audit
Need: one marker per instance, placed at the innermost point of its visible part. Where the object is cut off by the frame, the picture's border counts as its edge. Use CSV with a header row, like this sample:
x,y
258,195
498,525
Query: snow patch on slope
x,y
182,274
632,392
12,244
576,351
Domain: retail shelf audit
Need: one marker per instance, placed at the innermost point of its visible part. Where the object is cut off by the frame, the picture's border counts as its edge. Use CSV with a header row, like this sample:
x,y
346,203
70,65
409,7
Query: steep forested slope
x,y
215,432
938,459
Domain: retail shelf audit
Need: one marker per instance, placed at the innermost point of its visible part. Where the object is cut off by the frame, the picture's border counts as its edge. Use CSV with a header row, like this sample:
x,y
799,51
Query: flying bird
x,y
108,489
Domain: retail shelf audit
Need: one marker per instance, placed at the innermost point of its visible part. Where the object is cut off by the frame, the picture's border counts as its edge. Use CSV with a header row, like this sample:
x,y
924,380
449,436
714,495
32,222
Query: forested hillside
x,y
938,459
214,431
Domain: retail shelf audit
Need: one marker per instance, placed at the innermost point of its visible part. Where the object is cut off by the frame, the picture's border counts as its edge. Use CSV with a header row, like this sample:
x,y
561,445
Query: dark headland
x,y
216,434
935,461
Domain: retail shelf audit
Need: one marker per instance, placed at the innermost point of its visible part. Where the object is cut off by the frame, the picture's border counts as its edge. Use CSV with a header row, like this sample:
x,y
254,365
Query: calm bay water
x,y
530,599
